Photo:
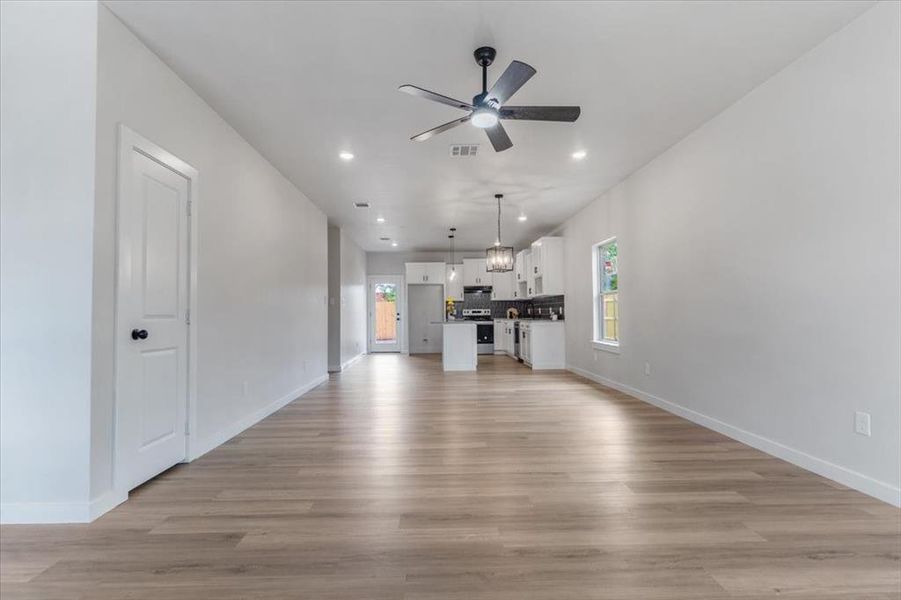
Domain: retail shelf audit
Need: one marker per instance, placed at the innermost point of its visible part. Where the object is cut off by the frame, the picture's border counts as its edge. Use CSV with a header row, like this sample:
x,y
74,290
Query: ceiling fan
x,y
488,108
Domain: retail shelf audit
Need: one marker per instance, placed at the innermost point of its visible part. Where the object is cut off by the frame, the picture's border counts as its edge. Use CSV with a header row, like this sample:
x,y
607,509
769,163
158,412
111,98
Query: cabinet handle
x,y
536,269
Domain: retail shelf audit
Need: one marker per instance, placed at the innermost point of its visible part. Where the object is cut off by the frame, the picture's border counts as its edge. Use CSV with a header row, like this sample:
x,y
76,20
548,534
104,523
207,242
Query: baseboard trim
x,y
106,502
346,364
858,481
351,361
44,513
201,447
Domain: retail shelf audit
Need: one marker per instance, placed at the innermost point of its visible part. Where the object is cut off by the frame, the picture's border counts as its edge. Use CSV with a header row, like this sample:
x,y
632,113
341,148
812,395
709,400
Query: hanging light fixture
x,y
499,258
453,273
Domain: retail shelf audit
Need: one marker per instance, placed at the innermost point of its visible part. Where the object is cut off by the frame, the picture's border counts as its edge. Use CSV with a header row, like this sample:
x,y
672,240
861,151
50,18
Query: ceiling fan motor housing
x,y
485,56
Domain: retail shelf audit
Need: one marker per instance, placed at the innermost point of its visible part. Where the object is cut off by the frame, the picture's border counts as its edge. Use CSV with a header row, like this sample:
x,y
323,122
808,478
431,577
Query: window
x,y
606,295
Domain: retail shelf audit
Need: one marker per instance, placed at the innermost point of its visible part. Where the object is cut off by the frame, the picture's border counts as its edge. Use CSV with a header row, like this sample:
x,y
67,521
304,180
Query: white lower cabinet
x,y
504,336
525,343
542,344
499,339
510,338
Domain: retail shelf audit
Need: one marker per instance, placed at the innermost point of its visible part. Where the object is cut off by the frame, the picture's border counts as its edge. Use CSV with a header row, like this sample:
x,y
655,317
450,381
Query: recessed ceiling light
x,y
523,218
579,154
380,219
345,155
394,244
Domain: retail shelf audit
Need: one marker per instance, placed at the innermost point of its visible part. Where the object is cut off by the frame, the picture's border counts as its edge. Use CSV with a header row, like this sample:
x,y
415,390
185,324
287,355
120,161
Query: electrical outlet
x,y
647,368
862,423
245,387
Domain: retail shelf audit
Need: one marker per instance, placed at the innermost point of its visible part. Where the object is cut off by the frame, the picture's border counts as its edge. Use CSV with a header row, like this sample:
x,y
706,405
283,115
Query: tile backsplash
x,y
536,308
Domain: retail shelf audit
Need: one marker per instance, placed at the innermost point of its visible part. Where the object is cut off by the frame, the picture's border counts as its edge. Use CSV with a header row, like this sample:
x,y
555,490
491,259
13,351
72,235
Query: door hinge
x,y
189,208
187,428
188,317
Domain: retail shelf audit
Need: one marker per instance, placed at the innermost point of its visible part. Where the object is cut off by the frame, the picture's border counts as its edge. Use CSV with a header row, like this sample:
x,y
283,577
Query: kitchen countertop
x,y
531,320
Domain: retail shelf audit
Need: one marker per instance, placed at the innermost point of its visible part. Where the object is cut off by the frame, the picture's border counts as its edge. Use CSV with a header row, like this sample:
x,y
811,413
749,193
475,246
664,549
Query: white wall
x,y
759,264
353,299
334,298
347,314
262,257
47,101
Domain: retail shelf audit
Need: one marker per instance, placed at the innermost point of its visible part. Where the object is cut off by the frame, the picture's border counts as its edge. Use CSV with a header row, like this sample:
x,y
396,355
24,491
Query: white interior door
x,y
152,319
386,301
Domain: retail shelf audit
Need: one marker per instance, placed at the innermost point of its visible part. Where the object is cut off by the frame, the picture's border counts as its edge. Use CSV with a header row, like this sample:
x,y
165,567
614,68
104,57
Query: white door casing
x,y
155,277
398,282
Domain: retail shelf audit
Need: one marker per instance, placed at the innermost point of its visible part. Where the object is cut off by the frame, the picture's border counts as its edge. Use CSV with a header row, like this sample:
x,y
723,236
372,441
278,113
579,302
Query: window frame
x,y
597,337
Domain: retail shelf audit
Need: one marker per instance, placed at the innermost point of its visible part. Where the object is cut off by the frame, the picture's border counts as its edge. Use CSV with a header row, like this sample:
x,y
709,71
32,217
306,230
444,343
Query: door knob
x,y
139,334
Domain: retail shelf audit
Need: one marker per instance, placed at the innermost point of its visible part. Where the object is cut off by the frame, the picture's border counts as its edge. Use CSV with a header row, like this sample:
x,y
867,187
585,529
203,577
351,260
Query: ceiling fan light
x,y
483,118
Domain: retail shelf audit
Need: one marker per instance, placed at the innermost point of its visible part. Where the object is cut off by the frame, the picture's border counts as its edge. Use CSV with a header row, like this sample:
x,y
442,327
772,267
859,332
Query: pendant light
x,y
453,273
499,258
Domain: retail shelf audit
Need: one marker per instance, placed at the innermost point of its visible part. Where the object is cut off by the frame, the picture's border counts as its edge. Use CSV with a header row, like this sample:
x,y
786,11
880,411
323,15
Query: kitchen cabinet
x,y
547,267
503,286
475,272
525,342
504,336
520,269
529,285
499,326
510,338
542,344
425,273
454,287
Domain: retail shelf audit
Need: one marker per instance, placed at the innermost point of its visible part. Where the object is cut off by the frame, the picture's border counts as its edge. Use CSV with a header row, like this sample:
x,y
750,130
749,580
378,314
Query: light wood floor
x,y
394,480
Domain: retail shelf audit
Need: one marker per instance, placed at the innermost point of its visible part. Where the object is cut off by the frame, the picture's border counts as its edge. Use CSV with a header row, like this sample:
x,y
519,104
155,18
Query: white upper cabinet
x,y
525,286
425,273
475,272
454,287
547,266
520,270
503,286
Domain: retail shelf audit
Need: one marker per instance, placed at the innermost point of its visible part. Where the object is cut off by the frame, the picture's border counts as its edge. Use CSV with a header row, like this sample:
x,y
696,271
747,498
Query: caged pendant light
x,y
499,258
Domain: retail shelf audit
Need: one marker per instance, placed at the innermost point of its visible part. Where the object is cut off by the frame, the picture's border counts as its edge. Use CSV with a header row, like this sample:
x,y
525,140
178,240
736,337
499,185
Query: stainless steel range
x,y
484,328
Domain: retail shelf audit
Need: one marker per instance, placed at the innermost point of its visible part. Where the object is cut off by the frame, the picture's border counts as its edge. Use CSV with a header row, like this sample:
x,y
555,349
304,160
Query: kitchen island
x,y
459,352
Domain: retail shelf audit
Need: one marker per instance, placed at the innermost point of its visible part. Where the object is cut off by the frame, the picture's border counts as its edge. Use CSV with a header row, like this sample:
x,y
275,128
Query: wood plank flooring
x,y
396,481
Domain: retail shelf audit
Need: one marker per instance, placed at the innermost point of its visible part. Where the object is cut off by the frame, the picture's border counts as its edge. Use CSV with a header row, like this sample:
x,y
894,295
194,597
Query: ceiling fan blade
x,y
421,137
434,97
516,75
499,138
566,114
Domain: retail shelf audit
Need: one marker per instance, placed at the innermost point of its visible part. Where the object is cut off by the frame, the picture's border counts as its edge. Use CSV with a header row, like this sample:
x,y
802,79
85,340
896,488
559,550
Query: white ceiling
x,y
304,81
